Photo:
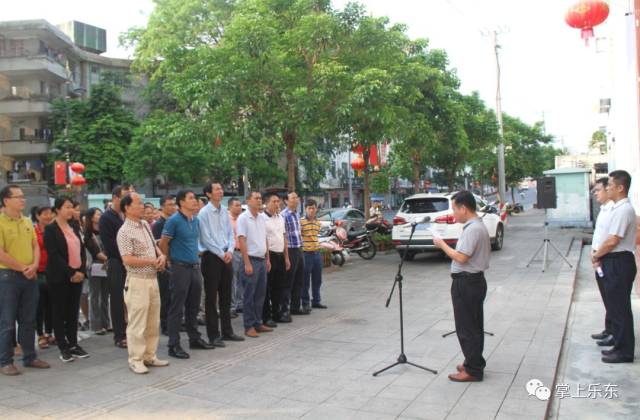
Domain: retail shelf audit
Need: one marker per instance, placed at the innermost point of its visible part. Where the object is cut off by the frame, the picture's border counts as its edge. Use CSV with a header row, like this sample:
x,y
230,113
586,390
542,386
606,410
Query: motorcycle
x,y
379,224
514,208
329,241
360,242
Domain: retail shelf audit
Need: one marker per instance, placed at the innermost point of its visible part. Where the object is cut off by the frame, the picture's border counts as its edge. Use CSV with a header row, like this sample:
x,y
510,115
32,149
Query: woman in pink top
x,y
65,273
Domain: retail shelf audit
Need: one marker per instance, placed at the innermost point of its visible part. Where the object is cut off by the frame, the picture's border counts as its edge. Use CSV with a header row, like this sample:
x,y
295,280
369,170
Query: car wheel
x,y
410,255
498,241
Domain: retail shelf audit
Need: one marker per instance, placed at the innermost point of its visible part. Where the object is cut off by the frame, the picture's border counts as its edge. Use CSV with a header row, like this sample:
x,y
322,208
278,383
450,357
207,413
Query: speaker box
x,y
547,197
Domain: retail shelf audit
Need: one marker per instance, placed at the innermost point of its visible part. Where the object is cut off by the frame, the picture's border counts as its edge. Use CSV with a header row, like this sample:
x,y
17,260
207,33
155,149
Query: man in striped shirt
x,y
291,293
310,228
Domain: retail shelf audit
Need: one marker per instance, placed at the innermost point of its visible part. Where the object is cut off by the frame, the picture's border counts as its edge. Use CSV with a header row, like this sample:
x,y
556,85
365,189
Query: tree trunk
x,y
513,196
416,176
290,141
366,198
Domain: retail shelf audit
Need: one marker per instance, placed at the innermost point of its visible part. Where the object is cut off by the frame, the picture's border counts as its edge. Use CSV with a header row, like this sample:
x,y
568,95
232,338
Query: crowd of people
x,y
138,272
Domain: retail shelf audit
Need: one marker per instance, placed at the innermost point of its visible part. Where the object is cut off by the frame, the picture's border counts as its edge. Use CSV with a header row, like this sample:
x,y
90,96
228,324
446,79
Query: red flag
x,y
60,172
373,155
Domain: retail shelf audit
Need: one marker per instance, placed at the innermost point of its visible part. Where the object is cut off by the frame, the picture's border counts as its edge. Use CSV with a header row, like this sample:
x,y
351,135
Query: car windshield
x,y
425,205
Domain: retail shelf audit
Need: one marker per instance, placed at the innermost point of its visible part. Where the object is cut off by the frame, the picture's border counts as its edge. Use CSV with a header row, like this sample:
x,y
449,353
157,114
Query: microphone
x,y
424,219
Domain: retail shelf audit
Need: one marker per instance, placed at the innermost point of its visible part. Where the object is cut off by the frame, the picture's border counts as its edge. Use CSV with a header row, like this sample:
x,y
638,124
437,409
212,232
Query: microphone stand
x,y
402,358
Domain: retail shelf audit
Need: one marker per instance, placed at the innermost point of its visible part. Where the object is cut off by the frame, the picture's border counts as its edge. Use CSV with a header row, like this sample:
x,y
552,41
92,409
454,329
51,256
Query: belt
x,y
312,252
184,264
143,275
236,250
256,258
466,274
276,253
617,254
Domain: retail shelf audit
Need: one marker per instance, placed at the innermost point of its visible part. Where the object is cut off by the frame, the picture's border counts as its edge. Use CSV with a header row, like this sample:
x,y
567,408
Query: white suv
x,y
438,208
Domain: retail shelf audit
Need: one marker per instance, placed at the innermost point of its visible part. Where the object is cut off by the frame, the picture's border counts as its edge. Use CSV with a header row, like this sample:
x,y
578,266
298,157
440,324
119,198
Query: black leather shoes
x,y
300,312
217,342
284,317
201,344
600,336
607,342
319,306
608,352
232,337
269,323
617,358
178,353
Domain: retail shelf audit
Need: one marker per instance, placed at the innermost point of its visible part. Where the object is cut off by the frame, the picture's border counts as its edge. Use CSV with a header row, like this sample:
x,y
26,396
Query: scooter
x,y
379,224
329,241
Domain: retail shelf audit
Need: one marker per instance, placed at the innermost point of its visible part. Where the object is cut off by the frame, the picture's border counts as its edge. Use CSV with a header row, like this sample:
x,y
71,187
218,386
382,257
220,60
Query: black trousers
x,y
164,285
295,279
276,283
65,303
186,290
217,278
619,272
44,315
116,276
467,293
603,294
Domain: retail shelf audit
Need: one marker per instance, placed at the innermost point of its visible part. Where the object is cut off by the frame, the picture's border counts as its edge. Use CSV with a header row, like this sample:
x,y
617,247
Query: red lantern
x,y
586,14
78,180
77,167
218,141
358,163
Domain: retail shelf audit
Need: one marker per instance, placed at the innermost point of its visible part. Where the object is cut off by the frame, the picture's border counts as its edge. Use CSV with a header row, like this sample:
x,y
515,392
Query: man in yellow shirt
x,y
19,257
310,228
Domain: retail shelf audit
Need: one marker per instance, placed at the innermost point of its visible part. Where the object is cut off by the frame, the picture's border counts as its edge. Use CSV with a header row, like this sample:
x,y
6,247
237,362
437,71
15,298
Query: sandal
x,y
43,342
121,344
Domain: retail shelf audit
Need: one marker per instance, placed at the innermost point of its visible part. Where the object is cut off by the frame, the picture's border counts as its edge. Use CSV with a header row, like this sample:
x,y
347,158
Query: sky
x,y
547,71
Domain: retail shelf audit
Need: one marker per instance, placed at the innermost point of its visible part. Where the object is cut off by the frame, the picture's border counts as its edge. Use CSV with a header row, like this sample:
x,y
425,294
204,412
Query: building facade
x,y
40,62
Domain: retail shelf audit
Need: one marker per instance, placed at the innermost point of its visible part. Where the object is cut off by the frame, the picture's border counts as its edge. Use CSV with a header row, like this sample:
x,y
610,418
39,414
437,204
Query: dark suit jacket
x,y
58,270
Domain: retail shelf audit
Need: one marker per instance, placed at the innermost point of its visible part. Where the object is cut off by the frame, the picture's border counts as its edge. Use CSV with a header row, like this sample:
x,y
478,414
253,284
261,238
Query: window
x,y
425,205
355,215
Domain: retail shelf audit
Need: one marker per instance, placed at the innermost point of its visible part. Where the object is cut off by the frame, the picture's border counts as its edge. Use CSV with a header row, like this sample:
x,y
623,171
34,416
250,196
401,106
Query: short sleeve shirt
x,y
292,226
135,240
16,238
623,225
184,234
275,232
603,221
310,232
254,229
474,243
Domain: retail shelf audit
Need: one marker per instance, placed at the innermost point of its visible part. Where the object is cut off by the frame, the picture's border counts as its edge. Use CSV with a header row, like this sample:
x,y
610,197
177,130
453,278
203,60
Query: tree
x,y
598,142
99,132
262,78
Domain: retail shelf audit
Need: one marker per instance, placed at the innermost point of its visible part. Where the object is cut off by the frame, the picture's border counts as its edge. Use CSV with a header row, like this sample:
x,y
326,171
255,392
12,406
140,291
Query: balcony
x,y
20,107
24,148
39,64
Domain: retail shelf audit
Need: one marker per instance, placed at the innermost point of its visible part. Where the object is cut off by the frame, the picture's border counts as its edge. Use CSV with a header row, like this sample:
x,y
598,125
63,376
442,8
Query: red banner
x,y
60,173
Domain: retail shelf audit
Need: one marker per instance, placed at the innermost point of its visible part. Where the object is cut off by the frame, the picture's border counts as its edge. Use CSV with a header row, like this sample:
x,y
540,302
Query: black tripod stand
x,y
454,331
402,358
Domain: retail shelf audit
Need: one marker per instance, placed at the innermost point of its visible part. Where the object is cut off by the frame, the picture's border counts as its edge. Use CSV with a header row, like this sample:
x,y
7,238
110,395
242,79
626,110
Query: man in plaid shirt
x,y
293,289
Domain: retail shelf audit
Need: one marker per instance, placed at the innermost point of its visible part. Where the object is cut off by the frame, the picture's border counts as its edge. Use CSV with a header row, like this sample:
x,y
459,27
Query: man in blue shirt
x,y
217,245
292,298
180,242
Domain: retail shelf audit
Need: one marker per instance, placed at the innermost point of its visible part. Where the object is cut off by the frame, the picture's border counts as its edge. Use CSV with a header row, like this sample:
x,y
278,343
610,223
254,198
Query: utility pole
x,y
501,170
350,186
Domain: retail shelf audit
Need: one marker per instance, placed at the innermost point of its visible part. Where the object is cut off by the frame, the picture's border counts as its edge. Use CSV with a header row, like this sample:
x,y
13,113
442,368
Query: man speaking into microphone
x,y
469,288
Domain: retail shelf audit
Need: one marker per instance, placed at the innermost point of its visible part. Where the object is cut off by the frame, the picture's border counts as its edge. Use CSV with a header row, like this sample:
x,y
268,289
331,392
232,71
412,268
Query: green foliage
x,y
99,132
598,142
380,182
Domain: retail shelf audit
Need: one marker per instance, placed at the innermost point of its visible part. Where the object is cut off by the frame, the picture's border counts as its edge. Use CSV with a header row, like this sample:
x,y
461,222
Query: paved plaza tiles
x,y
320,366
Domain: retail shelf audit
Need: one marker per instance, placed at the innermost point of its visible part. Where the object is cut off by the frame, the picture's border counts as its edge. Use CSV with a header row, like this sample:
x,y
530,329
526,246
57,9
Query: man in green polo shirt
x,y
19,256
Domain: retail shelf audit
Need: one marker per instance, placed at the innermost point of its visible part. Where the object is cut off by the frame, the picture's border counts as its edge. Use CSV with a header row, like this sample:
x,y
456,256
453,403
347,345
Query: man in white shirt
x,y
252,236
599,236
616,256
279,258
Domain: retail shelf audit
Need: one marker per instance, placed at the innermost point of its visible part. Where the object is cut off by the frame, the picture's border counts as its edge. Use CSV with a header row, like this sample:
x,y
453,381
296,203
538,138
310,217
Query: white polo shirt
x,y
623,225
255,232
275,231
603,221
